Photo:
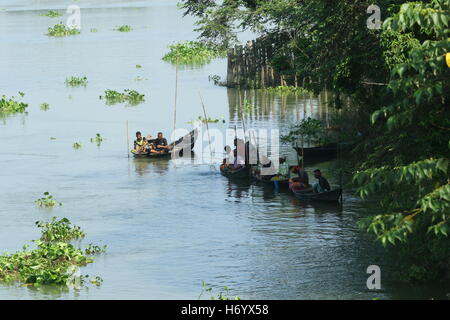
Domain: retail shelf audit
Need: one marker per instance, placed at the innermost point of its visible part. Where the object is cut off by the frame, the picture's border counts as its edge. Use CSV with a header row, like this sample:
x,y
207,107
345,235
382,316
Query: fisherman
x,y
299,179
161,143
227,161
140,143
322,185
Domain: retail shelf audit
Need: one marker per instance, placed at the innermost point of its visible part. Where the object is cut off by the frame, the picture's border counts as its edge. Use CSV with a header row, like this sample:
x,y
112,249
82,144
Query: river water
x,y
168,226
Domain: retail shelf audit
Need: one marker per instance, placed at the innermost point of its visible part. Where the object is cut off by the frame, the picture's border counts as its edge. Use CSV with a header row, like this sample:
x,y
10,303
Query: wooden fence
x,y
249,66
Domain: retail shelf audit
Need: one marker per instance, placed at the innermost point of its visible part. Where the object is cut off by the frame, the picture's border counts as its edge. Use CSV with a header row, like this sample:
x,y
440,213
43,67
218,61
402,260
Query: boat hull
x,y
243,173
328,196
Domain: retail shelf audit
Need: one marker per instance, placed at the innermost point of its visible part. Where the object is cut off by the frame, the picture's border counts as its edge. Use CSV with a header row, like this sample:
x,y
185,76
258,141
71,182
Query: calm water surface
x,y
168,226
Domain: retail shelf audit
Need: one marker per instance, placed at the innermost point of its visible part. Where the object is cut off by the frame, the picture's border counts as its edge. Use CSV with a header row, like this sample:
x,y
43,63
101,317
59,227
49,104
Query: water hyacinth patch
x,y
61,30
54,261
77,145
76,81
286,90
132,97
192,52
98,139
44,106
51,14
47,201
124,28
200,119
11,105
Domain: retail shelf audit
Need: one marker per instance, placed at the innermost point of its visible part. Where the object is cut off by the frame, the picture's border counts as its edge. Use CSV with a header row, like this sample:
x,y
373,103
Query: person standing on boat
x,y
322,185
139,143
161,143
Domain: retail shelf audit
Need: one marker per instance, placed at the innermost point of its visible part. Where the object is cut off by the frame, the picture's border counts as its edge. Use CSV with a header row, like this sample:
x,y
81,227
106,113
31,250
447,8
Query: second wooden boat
x,y
328,196
241,173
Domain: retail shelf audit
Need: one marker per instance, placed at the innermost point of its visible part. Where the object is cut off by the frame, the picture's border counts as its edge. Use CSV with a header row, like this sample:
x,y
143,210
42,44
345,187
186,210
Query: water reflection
x,y
144,166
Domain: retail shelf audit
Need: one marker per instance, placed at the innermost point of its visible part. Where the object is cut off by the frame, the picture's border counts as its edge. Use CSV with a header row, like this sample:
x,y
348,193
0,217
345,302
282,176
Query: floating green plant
x,y
132,97
44,106
286,90
76,81
216,80
125,28
139,78
11,105
54,261
94,30
51,14
77,145
61,30
60,230
200,119
98,139
223,295
47,201
192,52
138,66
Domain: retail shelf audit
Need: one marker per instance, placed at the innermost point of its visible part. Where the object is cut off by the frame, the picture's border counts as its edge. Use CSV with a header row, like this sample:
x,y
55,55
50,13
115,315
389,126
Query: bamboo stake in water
x,y
128,140
175,102
207,126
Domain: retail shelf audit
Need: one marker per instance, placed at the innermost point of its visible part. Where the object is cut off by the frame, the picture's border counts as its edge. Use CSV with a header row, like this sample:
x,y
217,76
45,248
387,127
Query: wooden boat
x,y
327,150
328,196
241,173
324,151
266,181
177,147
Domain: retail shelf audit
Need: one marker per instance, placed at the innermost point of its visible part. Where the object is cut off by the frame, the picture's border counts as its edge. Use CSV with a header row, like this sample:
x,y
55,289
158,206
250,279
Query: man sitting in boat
x,y
299,179
140,143
160,143
322,185
226,163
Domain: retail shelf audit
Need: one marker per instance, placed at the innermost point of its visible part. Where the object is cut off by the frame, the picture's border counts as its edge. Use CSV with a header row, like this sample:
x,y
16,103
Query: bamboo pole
x,y
175,105
128,140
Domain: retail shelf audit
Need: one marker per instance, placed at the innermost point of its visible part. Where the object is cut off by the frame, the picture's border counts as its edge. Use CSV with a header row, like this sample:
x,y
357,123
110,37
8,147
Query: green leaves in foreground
x,y
192,52
11,105
412,195
132,97
53,261
61,30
